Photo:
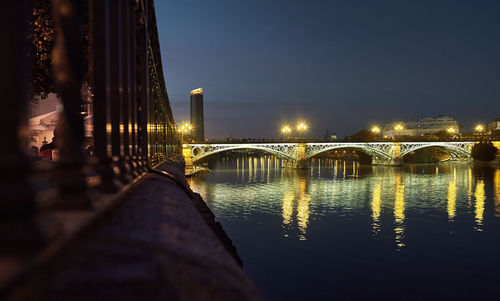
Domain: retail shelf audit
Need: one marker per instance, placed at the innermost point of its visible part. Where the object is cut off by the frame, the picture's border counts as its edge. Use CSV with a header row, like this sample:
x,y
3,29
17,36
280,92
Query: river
x,y
342,230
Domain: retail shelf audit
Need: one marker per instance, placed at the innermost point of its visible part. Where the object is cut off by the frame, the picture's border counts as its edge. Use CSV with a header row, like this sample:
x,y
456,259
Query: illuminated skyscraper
x,y
197,119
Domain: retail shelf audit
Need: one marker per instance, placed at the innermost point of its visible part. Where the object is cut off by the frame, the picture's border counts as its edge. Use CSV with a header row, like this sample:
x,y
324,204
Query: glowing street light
x,y
184,128
479,128
398,127
286,130
451,130
375,129
301,128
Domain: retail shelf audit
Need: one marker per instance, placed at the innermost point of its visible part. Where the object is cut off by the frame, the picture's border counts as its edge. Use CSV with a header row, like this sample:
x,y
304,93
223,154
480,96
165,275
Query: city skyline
x,y
341,66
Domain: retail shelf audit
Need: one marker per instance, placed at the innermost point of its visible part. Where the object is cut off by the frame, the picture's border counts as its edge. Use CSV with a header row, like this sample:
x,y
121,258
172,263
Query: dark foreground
x,y
154,246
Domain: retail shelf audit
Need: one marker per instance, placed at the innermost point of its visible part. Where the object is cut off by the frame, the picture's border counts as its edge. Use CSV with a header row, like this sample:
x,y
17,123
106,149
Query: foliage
x,y
363,135
484,151
41,41
444,135
41,37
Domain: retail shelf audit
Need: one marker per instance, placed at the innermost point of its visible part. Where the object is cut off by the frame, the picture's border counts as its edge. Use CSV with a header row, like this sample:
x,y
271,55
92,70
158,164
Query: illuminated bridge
x,y
297,154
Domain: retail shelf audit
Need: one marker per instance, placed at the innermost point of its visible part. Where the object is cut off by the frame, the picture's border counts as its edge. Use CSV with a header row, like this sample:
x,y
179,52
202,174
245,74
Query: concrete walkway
x,y
155,246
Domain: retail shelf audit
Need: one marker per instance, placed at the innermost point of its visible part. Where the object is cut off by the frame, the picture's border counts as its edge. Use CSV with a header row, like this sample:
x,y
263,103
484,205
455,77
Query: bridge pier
x,y
188,158
396,158
497,157
301,162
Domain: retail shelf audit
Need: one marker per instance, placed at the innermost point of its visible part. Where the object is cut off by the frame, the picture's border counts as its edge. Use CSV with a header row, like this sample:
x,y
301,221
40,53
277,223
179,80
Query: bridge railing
x,y
133,126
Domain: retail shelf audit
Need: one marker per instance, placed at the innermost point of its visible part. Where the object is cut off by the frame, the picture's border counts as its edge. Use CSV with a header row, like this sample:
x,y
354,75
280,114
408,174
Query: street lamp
x,y
479,128
286,130
375,130
451,131
301,128
184,128
398,127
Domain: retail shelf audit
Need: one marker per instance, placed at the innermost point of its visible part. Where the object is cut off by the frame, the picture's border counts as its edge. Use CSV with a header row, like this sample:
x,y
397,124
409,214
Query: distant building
x,y
330,136
422,127
197,118
494,126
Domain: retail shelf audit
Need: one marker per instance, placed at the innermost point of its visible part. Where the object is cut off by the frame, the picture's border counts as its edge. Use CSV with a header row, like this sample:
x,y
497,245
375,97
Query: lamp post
x,y
285,130
451,131
301,128
185,128
398,127
479,129
376,130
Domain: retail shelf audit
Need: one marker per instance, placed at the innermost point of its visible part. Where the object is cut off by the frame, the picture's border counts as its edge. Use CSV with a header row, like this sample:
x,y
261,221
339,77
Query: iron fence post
x,y
68,72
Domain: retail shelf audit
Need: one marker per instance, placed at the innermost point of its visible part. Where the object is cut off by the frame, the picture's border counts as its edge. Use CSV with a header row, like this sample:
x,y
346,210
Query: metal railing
x,y
133,126
133,122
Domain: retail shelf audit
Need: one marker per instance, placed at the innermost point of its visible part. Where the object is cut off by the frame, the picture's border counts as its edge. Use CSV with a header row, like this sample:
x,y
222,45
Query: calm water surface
x,y
345,231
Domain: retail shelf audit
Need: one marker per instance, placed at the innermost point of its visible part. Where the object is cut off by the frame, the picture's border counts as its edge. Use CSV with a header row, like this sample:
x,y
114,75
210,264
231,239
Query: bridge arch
x,y
454,149
379,152
282,150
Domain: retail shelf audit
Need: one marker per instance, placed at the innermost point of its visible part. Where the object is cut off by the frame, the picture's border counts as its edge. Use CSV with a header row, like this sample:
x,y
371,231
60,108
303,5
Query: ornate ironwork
x,y
380,151
459,149
282,150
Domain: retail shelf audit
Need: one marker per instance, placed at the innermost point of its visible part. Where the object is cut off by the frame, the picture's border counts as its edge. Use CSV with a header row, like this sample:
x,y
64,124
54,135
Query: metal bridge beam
x,y
295,155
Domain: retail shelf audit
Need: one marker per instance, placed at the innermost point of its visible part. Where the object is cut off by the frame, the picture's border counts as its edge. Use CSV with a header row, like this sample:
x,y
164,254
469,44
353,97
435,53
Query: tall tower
x,y
197,119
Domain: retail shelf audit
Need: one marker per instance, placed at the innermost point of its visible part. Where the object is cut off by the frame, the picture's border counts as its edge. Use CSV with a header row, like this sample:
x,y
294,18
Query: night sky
x,y
339,65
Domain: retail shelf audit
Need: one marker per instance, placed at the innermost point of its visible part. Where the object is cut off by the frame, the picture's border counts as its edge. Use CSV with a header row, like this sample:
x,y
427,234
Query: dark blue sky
x,y
340,65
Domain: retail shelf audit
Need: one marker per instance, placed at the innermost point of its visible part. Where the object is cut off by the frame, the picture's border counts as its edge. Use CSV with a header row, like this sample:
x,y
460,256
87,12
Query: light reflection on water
x,y
339,225
376,204
399,211
452,196
497,192
480,197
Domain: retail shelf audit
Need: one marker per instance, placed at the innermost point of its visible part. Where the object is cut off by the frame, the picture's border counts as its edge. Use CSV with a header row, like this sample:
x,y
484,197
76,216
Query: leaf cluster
x,y
484,151
41,37
362,135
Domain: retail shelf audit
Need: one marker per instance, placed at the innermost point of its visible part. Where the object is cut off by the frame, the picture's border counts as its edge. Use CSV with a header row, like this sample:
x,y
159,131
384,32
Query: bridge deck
x,y
379,151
